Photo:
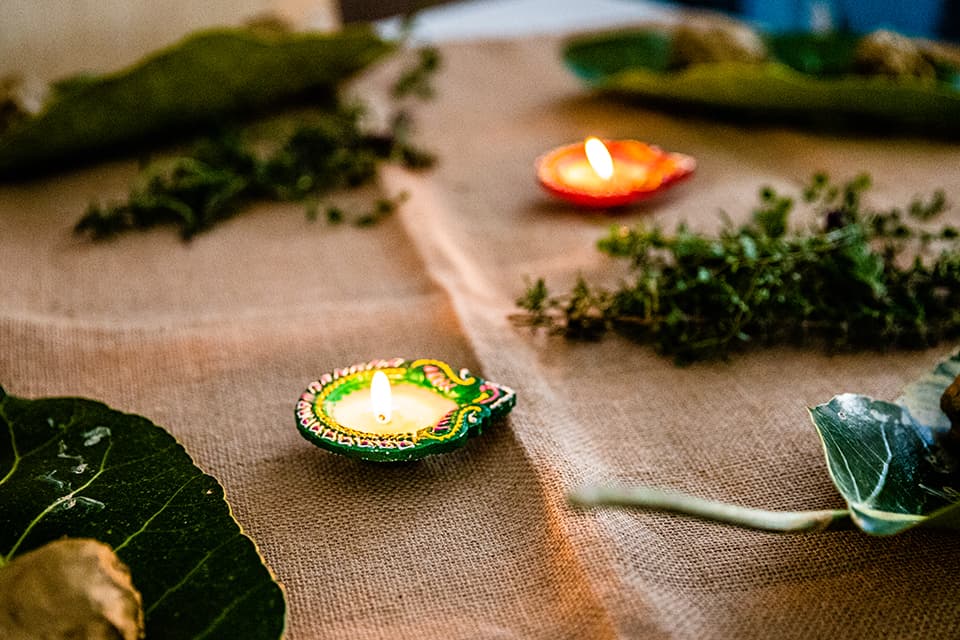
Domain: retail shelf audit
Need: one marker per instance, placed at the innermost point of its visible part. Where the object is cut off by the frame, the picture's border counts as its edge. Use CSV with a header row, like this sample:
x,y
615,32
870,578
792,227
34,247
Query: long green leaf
x,y
812,79
74,467
197,82
889,460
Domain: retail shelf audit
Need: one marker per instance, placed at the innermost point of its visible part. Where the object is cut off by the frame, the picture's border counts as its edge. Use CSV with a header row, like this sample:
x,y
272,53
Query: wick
x,y
382,419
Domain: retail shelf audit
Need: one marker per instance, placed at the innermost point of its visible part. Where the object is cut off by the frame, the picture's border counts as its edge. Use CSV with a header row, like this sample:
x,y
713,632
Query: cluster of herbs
x,y
224,173
852,278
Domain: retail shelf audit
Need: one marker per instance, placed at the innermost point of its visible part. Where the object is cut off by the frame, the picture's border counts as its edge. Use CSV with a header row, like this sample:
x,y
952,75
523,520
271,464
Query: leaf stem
x,y
659,499
13,446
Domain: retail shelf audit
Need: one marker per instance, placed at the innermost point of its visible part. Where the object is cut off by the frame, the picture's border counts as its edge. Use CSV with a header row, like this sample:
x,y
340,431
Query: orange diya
x,y
610,173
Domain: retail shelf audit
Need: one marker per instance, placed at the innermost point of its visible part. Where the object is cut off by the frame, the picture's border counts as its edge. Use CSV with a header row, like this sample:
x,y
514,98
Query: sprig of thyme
x,y
855,279
417,80
224,173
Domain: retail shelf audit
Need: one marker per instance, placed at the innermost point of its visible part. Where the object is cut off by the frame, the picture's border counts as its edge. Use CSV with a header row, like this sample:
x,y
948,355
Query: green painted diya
x,y
395,410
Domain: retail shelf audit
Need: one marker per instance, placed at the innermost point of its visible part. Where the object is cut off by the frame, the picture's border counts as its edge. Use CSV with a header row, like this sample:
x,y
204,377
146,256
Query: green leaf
x,y
812,80
74,467
895,463
197,82
922,398
889,460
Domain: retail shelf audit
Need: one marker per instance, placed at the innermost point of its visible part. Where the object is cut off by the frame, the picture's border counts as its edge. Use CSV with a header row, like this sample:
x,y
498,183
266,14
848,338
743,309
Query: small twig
x,y
651,498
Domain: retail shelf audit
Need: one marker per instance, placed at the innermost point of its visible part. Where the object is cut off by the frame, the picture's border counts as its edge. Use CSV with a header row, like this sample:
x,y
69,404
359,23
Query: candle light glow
x,y
611,173
599,158
408,408
381,402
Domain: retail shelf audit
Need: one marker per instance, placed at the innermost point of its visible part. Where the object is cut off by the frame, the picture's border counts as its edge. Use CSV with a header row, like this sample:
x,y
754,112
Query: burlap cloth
x,y
216,339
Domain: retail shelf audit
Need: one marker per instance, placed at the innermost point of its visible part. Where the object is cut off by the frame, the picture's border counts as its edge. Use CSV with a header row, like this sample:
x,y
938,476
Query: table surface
x,y
216,339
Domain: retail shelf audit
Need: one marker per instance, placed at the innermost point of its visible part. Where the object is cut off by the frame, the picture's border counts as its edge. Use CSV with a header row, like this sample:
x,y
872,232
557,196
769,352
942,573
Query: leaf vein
x,y
839,451
886,466
158,512
53,505
190,573
223,615
13,445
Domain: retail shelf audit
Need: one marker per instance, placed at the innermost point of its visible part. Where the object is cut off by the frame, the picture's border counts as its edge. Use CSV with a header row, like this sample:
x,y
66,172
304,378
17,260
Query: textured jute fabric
x,y
216,339
49,41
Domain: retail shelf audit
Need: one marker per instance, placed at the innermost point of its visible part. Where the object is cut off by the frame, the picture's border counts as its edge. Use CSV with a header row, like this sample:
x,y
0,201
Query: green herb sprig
x,y
854,278
417,80
224,173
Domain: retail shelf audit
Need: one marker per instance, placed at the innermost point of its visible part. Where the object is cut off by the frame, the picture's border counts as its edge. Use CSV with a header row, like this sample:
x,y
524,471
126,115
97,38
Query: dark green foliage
x,y
223,174
198,82
855,279
810,80
895,463
74,467
417,79
382,208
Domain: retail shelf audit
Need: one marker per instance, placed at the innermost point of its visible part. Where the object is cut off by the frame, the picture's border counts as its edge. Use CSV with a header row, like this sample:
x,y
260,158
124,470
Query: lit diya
x,y
395,410
612,173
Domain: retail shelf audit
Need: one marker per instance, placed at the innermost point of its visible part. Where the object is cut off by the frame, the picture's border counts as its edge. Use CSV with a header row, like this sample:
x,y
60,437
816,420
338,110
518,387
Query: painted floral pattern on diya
x,y
429,409
614,174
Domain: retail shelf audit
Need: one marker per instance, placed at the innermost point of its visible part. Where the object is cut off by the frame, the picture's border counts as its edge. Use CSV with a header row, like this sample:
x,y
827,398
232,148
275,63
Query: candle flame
x,y
381,401
599,158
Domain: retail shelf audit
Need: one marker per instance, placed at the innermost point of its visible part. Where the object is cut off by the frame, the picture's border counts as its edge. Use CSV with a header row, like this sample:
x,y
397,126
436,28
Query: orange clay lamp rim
x,y
640,171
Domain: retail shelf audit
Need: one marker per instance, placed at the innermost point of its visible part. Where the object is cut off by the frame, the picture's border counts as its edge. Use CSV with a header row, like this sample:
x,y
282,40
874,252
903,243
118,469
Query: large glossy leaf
x,y
196,82
889,459
74,467
810,78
